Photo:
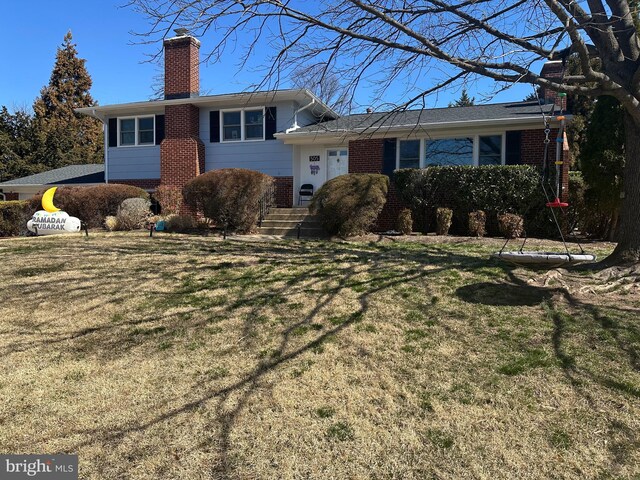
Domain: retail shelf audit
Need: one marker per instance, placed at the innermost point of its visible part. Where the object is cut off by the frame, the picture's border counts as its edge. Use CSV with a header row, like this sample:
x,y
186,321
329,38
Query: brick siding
x,y
366,155
146,184
284,192
11,196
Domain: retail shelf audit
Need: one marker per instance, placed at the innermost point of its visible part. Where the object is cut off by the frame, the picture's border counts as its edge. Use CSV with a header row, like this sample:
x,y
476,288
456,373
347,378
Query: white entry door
x,y
337,163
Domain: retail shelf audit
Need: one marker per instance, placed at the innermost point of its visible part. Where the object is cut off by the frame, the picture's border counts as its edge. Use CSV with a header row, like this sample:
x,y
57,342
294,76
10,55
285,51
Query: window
x,y
449,151
128,131
232,126
241,125
473,150
145,131
409,156
490,152
253,120
136,131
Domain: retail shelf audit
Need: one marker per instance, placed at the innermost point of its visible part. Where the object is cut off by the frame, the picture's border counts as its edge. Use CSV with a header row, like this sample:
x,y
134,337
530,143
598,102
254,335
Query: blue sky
x,y
101,29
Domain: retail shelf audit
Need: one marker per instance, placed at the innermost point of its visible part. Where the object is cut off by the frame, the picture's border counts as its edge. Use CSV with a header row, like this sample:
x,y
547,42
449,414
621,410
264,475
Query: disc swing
x,y
549,259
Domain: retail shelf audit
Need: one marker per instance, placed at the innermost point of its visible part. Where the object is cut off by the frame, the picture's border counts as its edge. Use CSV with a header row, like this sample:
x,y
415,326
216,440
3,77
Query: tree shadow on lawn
x,y
592,317
321,270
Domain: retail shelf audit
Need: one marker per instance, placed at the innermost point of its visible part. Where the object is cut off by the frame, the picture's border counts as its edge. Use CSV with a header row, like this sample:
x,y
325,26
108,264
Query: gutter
x,y
295,116
383,130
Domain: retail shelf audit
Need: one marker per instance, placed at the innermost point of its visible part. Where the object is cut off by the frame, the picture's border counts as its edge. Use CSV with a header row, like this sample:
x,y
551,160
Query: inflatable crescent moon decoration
x,y
47,200
52,220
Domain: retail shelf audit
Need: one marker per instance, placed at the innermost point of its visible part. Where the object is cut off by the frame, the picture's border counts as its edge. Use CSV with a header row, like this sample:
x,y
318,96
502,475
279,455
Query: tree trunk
x,y
628,249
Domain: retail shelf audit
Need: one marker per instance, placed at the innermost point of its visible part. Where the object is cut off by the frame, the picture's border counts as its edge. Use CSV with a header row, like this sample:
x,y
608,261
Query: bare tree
x,y
427,45
325,84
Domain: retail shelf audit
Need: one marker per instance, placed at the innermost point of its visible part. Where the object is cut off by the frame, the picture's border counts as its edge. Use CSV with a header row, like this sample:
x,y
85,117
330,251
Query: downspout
x,y
295,116
105,147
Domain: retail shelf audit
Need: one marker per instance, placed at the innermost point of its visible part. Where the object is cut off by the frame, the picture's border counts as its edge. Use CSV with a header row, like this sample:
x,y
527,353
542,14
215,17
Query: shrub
x,y
111,223
91,204
477,223
511,225
133,213
179,223
464,189
405,221
350,204
228,197
14,215
169,198
443,220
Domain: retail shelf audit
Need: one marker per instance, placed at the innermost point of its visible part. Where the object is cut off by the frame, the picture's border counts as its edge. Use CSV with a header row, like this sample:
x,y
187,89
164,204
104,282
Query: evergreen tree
x,y
464,101
63,136
602,158
16,144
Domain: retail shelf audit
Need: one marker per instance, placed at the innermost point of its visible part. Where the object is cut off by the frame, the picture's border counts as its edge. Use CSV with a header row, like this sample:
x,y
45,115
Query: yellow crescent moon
x,y
47,200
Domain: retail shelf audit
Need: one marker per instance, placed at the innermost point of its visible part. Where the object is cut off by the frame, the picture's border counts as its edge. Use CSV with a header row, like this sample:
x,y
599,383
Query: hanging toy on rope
x,y
559,162
549,259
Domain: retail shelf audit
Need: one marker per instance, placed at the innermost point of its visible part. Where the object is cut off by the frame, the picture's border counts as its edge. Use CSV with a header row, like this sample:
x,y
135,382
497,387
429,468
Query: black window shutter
x,y
512,153
270,123
214,126
159,129
113,132
389,156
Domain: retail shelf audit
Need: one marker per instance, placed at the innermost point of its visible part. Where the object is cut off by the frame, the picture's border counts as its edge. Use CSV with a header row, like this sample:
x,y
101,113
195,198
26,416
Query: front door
x,y
337,163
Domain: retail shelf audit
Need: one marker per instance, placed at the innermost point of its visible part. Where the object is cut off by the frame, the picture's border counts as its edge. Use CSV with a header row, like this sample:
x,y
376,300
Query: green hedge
x,y
13,218
350,204
229,196
91,204
465,189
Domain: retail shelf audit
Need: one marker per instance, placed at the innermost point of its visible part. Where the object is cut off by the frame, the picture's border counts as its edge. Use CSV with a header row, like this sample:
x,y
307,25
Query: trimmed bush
x,y
228,197
465,189
405,221
133,213
478,223
169,198
511,225
14,215
91,204
443,220
350,204
179,223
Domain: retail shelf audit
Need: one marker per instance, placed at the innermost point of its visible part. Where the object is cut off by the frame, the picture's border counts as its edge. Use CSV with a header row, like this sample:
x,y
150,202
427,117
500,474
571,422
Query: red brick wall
x,y
284,191
11,196
181,152
147,184
181,67
366,155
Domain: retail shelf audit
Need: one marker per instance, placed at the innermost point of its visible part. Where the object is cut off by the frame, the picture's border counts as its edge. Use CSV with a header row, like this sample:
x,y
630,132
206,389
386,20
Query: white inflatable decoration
x,y
52,220
49,223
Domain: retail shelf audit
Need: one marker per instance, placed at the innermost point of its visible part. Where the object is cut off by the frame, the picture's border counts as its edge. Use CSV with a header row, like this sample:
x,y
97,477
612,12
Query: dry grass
x,y
189,357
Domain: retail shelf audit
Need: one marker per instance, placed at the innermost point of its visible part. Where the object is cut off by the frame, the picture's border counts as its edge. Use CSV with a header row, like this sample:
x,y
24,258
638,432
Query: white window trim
x,y
242,125
136,144
476,146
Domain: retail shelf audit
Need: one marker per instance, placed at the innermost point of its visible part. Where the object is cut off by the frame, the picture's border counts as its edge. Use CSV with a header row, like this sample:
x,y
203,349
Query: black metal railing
x,y
265,203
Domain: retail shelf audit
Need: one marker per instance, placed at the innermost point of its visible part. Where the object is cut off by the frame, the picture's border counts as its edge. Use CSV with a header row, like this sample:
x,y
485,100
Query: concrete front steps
x,y
284,222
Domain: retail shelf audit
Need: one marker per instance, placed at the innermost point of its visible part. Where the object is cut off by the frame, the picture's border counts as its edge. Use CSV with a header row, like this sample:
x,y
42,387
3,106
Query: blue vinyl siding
x,y
272,157
134,163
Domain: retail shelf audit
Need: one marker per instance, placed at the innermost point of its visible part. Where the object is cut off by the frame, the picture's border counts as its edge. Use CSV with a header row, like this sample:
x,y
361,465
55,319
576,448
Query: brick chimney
x,y
181,66
181,151
552,70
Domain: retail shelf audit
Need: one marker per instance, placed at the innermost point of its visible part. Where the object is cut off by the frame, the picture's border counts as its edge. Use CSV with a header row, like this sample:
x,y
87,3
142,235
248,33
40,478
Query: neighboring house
x,y
69,176
294,137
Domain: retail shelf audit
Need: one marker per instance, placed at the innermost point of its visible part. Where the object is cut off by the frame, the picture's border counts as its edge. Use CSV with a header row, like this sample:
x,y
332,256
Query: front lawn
x,y
192,358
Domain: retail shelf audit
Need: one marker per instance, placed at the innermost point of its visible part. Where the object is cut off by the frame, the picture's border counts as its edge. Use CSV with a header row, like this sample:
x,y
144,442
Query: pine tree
x,y
464,101
63,136
16,144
